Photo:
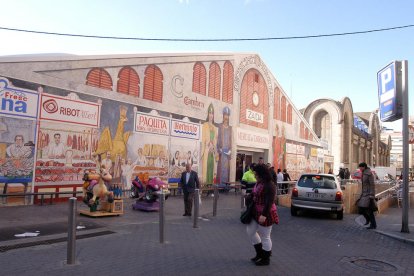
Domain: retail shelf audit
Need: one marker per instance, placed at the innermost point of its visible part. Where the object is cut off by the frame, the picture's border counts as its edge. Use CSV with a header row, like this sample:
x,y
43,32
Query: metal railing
x,y
31,196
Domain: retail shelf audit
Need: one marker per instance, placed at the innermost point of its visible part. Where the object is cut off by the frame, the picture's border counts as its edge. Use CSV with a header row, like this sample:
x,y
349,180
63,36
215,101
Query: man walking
x,y
188,182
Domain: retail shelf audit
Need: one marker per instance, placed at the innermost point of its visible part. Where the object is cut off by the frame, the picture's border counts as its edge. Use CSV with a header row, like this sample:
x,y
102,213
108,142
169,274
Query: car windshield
x,y
317,181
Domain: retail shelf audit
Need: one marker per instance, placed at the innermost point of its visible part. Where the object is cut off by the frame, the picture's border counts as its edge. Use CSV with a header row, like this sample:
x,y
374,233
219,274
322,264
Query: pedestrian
x,y
261,160
189,182
330,171
341,173
347,173
272,172
265,215
249,179
365,202
283,186
286,176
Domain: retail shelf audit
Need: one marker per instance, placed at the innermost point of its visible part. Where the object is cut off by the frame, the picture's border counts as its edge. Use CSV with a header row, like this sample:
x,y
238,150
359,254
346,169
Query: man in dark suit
x,y
189,182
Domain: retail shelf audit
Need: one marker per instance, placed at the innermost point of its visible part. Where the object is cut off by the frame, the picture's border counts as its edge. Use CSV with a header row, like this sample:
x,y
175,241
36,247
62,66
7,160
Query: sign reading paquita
x,y
151,124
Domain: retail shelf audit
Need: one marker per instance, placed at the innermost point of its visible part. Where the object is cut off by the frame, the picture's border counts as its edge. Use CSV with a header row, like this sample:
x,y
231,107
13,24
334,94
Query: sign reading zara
x,y
389,92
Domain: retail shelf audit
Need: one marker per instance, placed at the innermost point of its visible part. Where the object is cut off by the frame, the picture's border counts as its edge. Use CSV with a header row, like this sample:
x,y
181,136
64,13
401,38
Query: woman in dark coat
x,y
265,216
367,195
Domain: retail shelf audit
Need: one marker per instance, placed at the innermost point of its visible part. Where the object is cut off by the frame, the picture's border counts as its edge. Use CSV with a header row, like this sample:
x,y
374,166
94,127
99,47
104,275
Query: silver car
x,y
318,192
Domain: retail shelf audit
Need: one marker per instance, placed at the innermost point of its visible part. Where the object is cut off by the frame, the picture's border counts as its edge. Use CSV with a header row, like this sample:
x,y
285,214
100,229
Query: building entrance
x,y
242,162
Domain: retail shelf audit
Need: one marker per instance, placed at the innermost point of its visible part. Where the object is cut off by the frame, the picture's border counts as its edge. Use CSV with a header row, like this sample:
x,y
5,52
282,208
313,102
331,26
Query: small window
x,y
317,181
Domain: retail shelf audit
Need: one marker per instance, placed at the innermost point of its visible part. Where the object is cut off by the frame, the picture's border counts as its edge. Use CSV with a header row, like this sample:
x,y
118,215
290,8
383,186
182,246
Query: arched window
x,y
276,111
153,84
289,114
228,79
283,109
302,130
199,78
214,81
128,82
254,96
99,77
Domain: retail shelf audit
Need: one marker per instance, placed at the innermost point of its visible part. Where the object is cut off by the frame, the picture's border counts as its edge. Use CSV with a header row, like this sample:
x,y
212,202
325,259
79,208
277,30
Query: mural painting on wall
x,y
67,137
301,159
216,146
224,144
18,109
149,147
279,148
184,151
209,147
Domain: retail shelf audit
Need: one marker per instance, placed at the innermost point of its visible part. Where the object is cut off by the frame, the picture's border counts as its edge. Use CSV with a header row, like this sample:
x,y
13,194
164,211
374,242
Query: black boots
x,y
259,250
265,260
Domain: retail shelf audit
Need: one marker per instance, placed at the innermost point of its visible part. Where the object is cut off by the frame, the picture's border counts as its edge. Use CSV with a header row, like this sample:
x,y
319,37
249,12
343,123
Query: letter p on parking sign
x,y
390,92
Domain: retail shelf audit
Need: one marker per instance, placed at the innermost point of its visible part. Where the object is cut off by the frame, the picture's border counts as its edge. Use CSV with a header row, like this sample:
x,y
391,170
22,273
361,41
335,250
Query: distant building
x,y
348,137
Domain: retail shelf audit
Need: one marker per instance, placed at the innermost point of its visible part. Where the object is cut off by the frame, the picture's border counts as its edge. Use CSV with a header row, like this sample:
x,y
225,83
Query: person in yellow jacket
x,y
249,179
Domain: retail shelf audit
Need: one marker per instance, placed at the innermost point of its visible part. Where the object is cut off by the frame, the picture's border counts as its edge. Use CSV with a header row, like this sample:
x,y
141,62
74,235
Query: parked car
x,y
317,192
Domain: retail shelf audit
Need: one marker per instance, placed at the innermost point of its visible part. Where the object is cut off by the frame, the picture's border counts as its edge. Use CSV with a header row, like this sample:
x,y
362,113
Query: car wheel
x,y
340,215
293,211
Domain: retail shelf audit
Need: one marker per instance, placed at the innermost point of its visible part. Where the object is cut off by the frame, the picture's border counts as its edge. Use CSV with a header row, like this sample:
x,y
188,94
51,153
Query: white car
x,y
318,192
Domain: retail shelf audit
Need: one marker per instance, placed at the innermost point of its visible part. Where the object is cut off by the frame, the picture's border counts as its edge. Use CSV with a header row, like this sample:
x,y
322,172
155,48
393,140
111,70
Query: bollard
x,y
162,216
216,195
196,207
71,259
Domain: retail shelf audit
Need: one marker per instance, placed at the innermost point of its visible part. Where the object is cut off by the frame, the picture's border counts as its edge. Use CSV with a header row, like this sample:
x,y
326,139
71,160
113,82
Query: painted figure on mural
x,y
279,148
127,169
224,144
56,149
140,161
18,149
175,161
209,145
107,163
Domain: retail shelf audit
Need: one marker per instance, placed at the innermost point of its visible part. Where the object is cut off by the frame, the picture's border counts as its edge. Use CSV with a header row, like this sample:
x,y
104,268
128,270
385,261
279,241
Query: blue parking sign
x,y
389,92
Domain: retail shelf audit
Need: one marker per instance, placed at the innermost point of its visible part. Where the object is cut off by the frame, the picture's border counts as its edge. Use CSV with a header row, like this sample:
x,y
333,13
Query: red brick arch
x,y
253,81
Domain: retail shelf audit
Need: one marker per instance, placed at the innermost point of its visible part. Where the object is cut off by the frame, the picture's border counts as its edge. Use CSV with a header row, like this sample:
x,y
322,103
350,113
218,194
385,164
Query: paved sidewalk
x,y
129,244
389,223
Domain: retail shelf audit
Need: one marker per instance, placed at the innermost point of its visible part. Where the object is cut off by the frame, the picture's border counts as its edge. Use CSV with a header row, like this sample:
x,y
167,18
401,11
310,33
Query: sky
x,y
307,69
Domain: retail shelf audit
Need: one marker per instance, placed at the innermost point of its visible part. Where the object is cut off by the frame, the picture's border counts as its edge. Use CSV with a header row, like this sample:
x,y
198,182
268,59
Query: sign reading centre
x,y
389,92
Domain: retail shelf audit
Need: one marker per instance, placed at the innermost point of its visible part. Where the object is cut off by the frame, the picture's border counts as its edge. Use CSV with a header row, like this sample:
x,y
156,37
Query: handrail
x,y
42,194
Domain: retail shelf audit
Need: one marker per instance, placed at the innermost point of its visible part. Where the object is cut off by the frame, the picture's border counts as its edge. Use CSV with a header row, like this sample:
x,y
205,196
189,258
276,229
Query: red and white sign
x,y
151,124
410,134
248,138
60,109
185,130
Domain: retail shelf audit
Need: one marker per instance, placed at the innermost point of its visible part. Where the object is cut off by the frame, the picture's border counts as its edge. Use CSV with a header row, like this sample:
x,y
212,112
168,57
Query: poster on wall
x,y
66,138
149,144
184,147
18,112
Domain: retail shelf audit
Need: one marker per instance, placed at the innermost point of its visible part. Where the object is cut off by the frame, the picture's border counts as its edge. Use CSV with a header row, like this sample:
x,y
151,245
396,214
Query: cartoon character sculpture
x,y
95,188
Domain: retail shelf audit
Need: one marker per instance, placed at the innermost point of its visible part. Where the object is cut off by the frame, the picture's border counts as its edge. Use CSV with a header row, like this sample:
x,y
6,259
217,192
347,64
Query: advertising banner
x,y
151,124
254,139
65,110
17,102
185,130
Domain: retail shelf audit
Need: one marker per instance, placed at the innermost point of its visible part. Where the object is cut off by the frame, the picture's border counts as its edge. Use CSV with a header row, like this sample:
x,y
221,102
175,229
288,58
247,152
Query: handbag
x,y
247,216
373,205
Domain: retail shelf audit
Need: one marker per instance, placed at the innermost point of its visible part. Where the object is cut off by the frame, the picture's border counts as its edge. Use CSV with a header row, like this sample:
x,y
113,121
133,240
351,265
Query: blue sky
x,y
307,69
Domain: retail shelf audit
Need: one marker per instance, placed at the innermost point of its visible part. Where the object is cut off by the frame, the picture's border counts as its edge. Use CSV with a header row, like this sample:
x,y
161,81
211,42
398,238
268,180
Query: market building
x,y
147,116
348,138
